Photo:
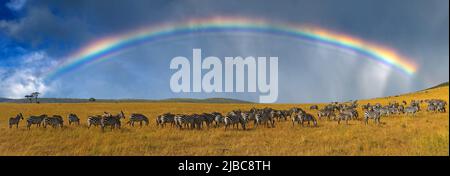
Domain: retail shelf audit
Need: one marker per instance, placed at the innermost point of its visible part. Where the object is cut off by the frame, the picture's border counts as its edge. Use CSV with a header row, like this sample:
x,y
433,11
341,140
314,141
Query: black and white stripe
x,y
54,121
15,120
35,120
375,115
112,120
73,118
135,117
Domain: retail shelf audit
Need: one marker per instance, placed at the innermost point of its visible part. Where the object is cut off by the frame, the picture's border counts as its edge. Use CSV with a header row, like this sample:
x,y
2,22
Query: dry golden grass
x,y
424,134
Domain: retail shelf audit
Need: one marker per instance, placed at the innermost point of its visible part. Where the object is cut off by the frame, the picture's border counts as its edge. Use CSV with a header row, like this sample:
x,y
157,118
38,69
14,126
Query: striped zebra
x,y
209,118
264,118
303,117
184,121
218,119
135,117
198,121
411,110
35,120
375,115
235,120
112,120
343,117
73,118
384,111
431,108
54,121
94,120
326,113
313,107
15,120
165,118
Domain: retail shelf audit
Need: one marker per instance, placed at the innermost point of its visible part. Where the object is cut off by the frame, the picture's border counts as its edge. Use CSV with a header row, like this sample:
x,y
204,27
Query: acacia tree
x,y
35,95
29,97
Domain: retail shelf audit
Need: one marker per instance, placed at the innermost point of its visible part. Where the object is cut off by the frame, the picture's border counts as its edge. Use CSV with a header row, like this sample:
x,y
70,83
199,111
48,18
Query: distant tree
x,y
35,95
29,97
92,99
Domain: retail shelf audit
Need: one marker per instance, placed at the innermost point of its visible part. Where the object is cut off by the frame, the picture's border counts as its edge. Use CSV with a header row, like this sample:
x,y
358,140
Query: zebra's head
x,y
20,116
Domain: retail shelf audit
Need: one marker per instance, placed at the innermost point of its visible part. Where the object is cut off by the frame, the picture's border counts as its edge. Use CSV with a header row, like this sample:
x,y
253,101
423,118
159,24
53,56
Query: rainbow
x,y
103,48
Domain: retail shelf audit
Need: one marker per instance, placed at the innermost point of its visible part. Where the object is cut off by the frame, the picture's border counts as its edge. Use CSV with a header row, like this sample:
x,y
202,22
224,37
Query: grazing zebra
x,y
264,118
94,120
329,114
431,107
15,120
209,118
371,115
197,121
343,116
35,120
301,118
138,118
73,118
394,110
166,118
306,117
111,120
411,110
235,120
218,119
384,111
54,121
184,121
352,113
251,116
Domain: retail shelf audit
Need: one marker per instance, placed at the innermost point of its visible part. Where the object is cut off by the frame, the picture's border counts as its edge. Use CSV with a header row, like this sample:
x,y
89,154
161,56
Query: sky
x,y
36,36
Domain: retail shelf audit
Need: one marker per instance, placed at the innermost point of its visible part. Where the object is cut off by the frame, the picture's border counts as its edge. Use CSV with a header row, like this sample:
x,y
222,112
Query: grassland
x,y
423,134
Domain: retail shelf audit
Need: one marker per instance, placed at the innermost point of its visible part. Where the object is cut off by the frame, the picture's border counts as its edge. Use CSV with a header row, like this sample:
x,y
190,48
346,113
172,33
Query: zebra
x,y
54,121
185,121
35,120
300,118
313,107
371,115
266,118
111,120
197,121
209,118
15,120
73,118
411,110
94,120
218,119
251,116
431,107
166,118
138,118
235,120
329,114
384,111
352,113
344,116
441,107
